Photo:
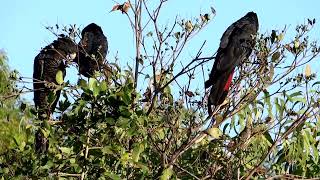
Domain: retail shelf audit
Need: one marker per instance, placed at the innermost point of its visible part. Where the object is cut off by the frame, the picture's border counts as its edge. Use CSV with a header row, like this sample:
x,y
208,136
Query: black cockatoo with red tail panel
x,y
93,49
46,65
236,45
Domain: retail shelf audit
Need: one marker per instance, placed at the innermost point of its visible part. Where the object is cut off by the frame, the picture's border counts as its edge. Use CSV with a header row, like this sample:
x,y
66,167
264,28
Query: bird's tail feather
x,y
219,91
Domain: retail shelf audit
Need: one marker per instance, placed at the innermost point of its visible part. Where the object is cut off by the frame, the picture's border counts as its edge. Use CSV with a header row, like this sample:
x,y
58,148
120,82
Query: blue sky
x,y
23,33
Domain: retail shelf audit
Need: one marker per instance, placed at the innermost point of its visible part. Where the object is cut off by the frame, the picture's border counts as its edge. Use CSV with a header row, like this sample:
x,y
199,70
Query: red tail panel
x,y
226,87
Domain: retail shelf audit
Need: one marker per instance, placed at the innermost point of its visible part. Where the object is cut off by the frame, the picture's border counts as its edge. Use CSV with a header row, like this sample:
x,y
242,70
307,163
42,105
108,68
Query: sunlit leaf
x,y
177,35
82,83
280,37
103,86
72,160
51,97
189,26
268,137
307,71
296,44
112,176
137,150
65,150
275,56
149,34
166,174
59,77
205,18
92,82
107,150
215,132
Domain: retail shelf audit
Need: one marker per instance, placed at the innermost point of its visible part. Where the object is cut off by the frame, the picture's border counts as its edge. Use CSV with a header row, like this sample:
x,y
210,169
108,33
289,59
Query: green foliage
x,y
11,119
59,77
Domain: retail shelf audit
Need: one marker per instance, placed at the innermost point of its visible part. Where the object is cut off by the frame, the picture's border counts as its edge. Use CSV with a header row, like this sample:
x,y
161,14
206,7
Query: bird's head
x,y
253,18
252,14
67,45
94,28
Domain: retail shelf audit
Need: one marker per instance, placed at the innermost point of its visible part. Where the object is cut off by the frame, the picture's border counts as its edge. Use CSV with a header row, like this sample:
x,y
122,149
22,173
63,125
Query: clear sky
x,y
23,33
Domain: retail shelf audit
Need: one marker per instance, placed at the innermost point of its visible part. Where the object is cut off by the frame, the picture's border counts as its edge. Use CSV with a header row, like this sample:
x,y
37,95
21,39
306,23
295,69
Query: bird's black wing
x,y
46,65
236,44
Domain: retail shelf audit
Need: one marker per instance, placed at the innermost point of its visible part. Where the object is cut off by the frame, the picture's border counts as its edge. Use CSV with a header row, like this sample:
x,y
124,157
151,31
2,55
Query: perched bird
x,y
46,66
93,49
236,45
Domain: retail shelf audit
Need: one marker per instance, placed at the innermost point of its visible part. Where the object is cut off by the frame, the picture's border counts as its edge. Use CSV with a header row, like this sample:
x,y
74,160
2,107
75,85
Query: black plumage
x,y
236,45
93,49
46,65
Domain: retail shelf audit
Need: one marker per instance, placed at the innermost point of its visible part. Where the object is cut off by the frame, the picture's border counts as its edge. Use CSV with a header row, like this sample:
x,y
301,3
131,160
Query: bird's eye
x,y
71,56
252,36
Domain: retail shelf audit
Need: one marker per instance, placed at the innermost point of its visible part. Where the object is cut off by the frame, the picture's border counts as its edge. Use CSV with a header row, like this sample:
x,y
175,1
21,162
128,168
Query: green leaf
x,y
275,56
296,44
112,176
215,132
267,101
92,83
177,35
316,83
82,83
268,137
45,132
59,77
307,71
107,150
125,157
96,90
241,121
72,160
137,151
93,86
299,99
142,166
306,143
103,86
122,122
65,150
167,173
149,34
315,153
279,108
110,120
298,93
51,97
23,106
124,111
160,133
280,37
22,145
126,97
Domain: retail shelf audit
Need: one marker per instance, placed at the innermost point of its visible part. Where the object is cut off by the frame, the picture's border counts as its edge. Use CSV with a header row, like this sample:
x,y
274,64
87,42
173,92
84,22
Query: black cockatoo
x,y
46,66
93,49
236,45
